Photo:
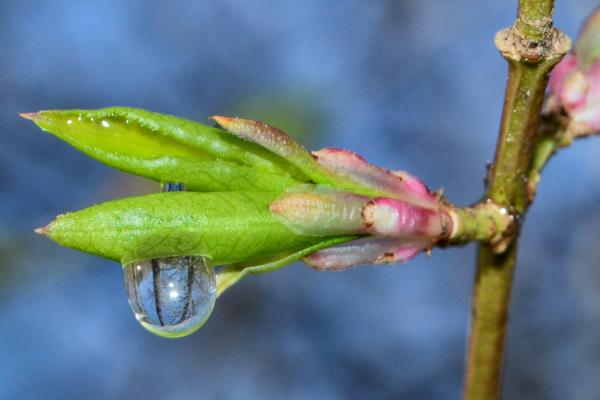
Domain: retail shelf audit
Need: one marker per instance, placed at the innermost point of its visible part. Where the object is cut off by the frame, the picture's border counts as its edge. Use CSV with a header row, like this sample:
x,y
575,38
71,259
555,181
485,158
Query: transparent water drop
x,y
171,296
172,187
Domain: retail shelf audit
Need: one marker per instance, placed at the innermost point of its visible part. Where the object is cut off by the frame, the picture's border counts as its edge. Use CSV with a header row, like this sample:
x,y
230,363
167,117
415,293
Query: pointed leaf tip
x,y
221,120
47,229
29,115
42,230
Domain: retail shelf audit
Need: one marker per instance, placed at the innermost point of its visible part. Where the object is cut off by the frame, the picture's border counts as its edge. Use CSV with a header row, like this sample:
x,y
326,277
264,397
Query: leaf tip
x,y
42,230
46,230
30,115
223,121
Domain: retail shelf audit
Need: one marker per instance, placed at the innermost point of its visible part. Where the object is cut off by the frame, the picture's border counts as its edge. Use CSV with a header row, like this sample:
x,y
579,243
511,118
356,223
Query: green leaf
x,y
165,148
228,227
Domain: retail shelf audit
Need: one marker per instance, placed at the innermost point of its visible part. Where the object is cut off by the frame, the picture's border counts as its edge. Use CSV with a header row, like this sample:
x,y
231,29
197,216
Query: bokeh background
x,y
412,85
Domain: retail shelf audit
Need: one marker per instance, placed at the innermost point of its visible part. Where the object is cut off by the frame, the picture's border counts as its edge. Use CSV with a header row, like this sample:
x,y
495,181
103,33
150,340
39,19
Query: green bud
x,y
587,47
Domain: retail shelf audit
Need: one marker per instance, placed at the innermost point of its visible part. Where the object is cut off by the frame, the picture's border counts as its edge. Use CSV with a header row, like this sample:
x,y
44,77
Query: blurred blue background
x,y
411,85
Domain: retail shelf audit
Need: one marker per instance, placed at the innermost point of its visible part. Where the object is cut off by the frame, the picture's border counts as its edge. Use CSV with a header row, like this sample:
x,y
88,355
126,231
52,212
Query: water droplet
x,y
171,296
172,187
69,122
105,123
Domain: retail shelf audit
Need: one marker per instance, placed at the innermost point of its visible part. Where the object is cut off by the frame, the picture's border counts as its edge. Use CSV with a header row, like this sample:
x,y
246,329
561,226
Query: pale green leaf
x,y
165,148
228,227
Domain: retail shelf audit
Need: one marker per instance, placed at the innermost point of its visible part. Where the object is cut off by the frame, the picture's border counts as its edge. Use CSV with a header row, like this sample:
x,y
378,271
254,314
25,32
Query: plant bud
x,y
575,81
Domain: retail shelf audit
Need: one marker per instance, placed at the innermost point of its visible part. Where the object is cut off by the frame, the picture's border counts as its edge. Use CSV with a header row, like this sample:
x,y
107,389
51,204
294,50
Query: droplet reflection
x,y
171,296
172,187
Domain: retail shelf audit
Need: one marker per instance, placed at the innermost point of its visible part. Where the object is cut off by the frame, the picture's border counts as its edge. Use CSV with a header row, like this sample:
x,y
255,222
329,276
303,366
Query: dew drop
x,y
172,187
171,296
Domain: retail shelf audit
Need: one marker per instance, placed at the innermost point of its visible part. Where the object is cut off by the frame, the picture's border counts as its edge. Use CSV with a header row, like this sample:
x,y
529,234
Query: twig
x,y
531,47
